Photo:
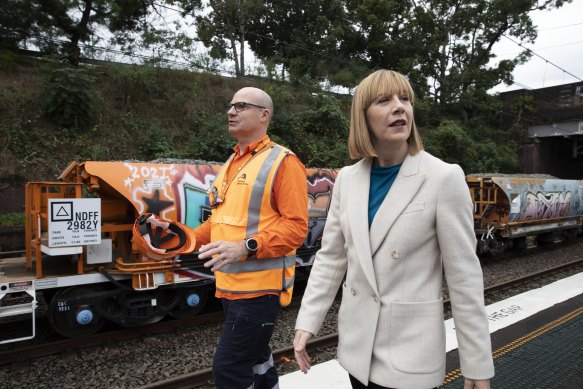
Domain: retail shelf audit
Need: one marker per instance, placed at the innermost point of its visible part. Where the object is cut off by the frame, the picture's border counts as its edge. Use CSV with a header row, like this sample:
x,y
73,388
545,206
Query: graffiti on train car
x,y
528,200
177,192
547,205
180,192
320,185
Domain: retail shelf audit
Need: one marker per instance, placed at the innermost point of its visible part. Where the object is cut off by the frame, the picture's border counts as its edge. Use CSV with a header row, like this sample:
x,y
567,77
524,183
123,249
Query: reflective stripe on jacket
x,y
244,212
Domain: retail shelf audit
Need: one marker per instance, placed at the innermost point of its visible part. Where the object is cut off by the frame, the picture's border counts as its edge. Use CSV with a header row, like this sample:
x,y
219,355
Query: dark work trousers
x,y
243,358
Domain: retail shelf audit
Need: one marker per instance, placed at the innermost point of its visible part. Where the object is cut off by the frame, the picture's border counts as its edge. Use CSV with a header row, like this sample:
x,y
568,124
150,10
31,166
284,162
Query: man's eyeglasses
x,y
241,106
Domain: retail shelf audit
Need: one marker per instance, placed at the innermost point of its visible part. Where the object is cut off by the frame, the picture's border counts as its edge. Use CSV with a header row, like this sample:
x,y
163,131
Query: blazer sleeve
x,y
463,273
328,269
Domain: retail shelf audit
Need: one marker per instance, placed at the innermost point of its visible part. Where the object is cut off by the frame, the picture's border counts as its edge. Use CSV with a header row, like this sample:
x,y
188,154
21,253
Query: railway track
x,y
203,378
11,254
22,354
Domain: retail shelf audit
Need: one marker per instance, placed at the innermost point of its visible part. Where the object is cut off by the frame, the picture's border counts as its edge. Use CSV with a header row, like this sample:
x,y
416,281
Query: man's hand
x,y
476,384
300,352
222,253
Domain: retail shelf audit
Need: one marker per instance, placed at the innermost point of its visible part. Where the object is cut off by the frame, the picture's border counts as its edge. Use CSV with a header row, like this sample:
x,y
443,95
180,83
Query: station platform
x,y
537,342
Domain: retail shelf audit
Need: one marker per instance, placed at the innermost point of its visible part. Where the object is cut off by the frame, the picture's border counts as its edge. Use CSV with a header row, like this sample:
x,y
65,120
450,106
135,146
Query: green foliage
x,y
17,22
210,140
495,157
489,150
31,149
148,113
223,29
156,143
523,104
314,49
70,98
451,143
59,26
134,80
12,219
8,59
318,135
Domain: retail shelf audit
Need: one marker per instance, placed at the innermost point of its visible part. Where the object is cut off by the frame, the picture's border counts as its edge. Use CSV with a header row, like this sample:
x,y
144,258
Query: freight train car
x,y
80,254
81,259
509,209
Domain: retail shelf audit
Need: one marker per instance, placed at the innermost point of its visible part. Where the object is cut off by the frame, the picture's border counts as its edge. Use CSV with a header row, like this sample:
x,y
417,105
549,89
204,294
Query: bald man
x,y
259,218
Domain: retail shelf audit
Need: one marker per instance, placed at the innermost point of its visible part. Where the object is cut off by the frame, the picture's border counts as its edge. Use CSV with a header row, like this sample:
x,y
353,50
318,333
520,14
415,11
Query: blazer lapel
x,y
405,187
358,217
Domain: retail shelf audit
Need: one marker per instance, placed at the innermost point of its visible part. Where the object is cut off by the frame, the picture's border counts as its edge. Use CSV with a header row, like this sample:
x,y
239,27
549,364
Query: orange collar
x,y
254,147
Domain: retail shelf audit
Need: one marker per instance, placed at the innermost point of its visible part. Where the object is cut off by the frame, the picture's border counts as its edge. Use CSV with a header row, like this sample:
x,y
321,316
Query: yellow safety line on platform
x,y
455,374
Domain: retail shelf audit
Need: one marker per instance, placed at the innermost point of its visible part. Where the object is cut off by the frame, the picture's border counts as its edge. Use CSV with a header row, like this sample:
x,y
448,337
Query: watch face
x,y
251,244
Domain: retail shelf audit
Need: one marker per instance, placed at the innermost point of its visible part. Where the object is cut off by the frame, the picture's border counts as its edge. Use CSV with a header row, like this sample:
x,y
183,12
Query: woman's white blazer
x,y
390,322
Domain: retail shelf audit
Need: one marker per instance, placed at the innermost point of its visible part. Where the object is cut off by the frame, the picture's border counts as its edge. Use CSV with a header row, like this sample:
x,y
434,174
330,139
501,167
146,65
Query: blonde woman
x,y
397,218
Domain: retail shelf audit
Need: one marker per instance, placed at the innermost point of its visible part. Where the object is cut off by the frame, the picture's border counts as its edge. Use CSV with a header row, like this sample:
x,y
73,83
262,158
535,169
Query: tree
x,y
317,134
16,22
307,39
378,36
224,28
458,37
451,143
48,21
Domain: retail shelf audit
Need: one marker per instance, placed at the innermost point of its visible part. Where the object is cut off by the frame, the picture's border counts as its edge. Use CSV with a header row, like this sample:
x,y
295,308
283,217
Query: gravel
x,y
142,361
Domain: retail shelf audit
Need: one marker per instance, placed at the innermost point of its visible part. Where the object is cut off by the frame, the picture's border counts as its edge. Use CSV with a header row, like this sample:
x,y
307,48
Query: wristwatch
x,y
251,245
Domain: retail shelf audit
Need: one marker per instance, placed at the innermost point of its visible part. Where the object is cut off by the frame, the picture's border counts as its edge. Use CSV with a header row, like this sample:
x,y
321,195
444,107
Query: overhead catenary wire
x,y
541,57
558,27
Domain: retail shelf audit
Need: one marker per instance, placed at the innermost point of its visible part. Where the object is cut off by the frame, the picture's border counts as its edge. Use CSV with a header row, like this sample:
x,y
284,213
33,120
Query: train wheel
x,y
496,247
546,238
520,243
136,308
72,311
571,234
192,301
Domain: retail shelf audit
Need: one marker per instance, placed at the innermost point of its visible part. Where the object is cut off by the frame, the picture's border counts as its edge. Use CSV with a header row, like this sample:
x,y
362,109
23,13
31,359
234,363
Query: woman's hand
x,y
302,358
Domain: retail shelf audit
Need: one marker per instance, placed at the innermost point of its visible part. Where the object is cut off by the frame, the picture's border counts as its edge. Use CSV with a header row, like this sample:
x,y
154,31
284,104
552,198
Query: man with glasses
x,y
259,218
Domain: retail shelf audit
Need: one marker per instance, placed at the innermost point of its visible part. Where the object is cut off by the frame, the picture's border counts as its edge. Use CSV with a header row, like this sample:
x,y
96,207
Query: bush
x,y
210,140
318,135
12,219
70,99
488,150
451,143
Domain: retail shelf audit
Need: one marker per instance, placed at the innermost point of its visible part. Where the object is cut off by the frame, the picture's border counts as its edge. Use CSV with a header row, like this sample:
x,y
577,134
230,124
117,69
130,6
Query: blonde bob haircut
x,y
380,83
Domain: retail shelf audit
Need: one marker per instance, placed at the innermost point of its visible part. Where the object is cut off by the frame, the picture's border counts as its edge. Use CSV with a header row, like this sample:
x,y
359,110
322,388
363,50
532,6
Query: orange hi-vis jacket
x,y
244,212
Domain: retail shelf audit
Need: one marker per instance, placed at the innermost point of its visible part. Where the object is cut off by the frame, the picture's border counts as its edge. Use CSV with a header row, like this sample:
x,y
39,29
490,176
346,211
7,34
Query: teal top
x,y
381,180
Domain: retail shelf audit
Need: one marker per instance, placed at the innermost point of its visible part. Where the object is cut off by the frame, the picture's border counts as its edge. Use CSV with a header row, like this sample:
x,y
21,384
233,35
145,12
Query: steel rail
x,y
41,350
545,272
25,353
10,254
